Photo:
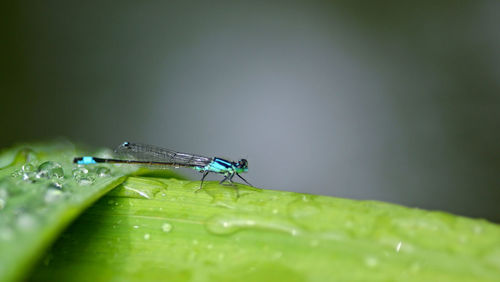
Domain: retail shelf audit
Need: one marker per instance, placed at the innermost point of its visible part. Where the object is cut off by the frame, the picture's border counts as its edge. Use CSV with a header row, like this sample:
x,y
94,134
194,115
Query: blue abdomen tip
x,y
87,160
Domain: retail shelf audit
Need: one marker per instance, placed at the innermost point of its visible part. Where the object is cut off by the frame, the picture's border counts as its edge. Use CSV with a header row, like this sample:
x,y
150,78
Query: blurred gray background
x,y
379,100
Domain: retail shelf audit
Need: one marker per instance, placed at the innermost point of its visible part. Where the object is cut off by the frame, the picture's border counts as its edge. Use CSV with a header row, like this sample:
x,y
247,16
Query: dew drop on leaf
x,y
26,221
52,195
225,225
371,261
50,170
166,227
30,176
57,184
3,202
79,171
103,171
28,167
4,195
83,176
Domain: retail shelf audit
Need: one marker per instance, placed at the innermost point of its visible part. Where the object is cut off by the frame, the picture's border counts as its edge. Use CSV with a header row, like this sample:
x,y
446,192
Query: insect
x,y
148,155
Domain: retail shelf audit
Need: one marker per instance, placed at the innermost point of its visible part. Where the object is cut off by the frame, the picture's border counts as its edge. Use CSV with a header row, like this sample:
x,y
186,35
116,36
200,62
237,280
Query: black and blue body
x,y
141,154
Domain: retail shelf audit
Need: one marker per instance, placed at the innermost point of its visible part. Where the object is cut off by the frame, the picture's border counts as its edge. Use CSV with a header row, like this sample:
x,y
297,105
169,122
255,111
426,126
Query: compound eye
x,y
243,163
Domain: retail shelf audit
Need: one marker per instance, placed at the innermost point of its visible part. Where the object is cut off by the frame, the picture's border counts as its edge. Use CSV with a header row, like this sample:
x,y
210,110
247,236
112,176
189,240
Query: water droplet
x,y
398,246
218,203
28,173
28,167
83,176
137,187
225,224
147,236
53,195
79,171
4,195
56,184
50,170
86,180
371,261
477,229
30,176
26,221
103,171
166,227
136,226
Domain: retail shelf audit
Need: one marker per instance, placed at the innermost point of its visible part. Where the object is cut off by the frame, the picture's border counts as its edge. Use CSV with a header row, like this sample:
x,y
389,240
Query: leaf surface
x,y
159,229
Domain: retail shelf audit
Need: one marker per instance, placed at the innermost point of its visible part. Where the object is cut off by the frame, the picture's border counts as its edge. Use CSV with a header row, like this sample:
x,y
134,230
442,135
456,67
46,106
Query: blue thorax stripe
x,y
224,163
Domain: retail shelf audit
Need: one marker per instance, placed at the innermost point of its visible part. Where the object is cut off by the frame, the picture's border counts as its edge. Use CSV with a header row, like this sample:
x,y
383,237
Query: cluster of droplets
x,y
86,176
166,227
53,173
53,184
49,171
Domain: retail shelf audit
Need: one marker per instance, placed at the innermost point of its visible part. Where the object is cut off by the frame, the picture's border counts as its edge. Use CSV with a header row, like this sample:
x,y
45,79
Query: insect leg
x,y
231,177
244,179
225,178
202,178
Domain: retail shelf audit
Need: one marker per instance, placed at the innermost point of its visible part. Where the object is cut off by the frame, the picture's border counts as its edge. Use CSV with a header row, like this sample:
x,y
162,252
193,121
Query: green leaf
x,y
160,229
39,197
154,226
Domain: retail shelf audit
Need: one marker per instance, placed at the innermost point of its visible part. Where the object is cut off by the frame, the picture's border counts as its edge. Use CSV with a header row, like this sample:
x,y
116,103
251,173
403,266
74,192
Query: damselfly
x,y
141,154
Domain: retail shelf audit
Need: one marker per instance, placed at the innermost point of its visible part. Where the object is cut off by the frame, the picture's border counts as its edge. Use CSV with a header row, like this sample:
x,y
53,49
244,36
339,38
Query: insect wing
x,y
143,152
